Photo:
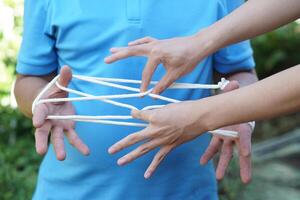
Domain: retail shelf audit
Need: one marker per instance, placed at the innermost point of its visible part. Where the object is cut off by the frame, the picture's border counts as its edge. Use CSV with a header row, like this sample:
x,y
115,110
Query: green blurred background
x,y
276,147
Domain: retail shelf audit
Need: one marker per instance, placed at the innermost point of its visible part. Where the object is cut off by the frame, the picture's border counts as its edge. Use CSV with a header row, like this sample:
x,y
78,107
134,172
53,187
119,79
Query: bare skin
x,y
179,56
165,125
26,89
167,137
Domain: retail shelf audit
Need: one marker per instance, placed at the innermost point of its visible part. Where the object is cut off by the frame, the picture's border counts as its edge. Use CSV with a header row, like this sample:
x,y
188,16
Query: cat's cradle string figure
x,y
111,99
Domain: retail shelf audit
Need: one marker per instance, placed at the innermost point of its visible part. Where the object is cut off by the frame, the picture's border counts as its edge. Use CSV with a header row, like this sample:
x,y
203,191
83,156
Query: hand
x,y
57,127
225,146
165,130
178,55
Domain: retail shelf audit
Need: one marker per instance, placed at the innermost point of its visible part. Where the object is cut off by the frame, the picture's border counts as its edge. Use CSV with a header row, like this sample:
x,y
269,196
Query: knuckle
x,y
148,38
144,149
132,137
155,52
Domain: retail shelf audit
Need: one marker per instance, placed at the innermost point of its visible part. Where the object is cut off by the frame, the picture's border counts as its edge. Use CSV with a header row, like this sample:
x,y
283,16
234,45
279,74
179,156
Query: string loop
x,y
111,99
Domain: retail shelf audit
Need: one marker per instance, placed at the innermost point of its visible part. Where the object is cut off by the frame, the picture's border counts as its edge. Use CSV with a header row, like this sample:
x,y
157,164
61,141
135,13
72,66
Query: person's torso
x,y
84,31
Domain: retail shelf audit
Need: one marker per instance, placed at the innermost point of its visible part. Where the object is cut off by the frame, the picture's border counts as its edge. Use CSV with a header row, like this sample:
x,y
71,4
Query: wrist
x,y
204,115
206,42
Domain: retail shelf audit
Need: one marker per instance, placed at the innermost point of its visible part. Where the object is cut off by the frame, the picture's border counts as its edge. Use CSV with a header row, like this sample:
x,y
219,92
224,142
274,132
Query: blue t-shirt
x,y
79,33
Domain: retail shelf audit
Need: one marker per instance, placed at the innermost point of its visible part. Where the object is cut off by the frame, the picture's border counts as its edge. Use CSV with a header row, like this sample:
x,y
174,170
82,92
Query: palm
x,y
62,109
225,146
58,128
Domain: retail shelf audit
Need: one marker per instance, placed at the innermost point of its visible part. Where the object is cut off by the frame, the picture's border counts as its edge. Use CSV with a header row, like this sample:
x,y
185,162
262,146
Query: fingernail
x,y
147,175
121,161
106,59
87,152
111,150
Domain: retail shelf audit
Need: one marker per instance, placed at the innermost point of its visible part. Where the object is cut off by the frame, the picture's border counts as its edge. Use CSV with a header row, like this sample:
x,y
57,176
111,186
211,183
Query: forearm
x,y
253,18
271,97
244,78
27,88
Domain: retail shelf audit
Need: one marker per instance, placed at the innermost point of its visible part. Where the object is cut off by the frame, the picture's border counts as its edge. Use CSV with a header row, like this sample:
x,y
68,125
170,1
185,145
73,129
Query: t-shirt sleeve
x,y
37,54
236,57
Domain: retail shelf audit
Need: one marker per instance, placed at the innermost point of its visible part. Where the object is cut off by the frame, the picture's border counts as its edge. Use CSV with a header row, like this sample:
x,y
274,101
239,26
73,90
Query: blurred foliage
x,y
277,50
19,162
11,12
18,159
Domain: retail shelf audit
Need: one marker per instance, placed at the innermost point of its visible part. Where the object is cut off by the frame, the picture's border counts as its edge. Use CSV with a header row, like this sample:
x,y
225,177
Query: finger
x,y
211,150
165,82
128,141
39,116
245,168
65,76
127,52
41,138
225,157
57,139
244,148
232,85
116,49
77,142
244,144
142,114
139,151
148,72
158,158
141,41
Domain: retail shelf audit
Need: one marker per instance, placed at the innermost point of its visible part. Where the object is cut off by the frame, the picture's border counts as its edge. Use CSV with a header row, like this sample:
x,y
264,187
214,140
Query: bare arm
x,y
253,18
224,145
264,99
277,95
27,88
181,55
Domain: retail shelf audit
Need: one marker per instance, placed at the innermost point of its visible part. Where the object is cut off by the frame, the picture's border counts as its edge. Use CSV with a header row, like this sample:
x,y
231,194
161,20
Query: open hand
x,y
56,128
178,55
225,146
166,131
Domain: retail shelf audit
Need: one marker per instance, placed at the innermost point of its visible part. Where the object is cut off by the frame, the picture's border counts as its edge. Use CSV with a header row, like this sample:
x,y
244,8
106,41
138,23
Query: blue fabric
x,y
79,33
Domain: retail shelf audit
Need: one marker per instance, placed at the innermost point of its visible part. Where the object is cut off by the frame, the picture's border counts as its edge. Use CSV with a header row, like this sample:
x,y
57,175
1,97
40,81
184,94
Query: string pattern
x,y
111,99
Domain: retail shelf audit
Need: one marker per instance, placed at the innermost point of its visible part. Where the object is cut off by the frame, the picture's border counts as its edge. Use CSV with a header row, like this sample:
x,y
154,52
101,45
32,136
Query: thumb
x,y
39,115
141,114
165,82
232,85
65,76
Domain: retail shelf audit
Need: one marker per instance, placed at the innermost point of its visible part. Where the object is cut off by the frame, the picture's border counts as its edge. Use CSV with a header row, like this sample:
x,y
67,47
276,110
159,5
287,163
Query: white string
x,y
115,83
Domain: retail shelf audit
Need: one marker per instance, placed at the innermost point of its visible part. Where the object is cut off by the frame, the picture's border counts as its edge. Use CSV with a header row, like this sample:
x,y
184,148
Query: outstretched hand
x,y
178,55
165,131
225,146
56,129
